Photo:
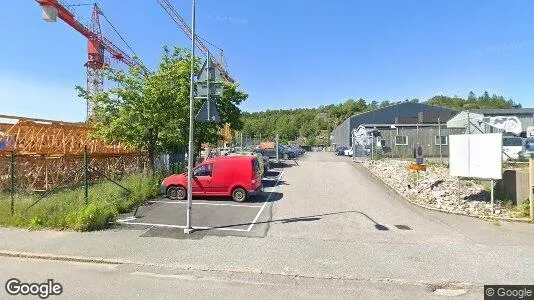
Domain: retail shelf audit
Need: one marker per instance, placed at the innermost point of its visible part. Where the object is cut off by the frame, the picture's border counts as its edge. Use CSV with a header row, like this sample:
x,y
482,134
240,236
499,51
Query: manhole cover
x,y
403,227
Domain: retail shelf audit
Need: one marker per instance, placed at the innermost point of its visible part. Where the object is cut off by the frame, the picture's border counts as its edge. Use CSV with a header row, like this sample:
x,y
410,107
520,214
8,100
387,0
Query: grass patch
x,y
523,210
66,209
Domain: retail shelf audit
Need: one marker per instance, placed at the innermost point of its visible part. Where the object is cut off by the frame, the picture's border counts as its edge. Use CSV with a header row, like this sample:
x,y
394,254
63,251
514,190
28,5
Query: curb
x,y
516,220
69,258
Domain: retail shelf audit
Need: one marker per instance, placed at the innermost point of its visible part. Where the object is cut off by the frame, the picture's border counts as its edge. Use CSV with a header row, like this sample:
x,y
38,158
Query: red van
x,y
235,176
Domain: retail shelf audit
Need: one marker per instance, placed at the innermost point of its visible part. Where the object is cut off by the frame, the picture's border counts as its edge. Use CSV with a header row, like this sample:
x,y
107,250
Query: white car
x,y
512,147
348,152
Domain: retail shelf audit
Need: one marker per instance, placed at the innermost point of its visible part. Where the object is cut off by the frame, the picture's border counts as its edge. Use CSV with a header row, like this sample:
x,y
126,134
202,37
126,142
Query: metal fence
x,y
362,148
35,177
247,142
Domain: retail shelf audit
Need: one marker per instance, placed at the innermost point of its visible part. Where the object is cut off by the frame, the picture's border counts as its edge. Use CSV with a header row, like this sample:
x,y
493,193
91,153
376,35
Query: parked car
x,y
288,148
299,150
236,176
340,150
302,150
348,152
512,147
282,153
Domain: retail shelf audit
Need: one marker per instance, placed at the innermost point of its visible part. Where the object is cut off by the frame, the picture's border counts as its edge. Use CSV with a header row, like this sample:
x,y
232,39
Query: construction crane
x,y
96,44
175,16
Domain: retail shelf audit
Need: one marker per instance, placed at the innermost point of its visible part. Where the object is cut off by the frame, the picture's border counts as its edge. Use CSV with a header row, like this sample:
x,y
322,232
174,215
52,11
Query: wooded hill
x,y
313,126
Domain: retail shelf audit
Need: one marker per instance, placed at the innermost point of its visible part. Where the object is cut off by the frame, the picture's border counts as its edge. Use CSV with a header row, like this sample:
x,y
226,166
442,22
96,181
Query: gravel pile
x,y
437,189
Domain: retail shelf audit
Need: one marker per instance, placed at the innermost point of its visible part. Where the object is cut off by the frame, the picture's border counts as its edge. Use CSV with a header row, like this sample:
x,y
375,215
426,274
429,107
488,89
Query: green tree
x,y
472,97
385,104
151,111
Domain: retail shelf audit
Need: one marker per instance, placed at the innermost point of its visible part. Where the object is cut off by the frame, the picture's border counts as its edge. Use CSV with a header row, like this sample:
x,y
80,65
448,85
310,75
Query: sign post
x,y
277,150
353,145
528,148
418,154
189,229
531,186
208,112
209,87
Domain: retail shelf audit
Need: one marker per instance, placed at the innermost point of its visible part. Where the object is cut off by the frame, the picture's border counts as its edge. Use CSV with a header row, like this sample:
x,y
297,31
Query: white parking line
x,y
203,203
128,221
266,201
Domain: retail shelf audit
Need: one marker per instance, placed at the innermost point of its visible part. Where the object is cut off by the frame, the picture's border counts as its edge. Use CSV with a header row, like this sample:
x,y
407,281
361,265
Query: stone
x,y
436,188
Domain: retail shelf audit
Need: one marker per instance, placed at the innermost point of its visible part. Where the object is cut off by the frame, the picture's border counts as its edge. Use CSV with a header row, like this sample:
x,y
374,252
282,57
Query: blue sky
x,y
287,54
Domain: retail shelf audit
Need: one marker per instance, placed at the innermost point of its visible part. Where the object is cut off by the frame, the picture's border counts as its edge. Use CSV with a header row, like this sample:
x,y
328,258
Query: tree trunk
x,y
152,151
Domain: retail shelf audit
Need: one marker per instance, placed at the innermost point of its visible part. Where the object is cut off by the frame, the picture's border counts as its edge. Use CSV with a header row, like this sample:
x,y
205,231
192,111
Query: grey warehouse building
x,y
402,126
524,115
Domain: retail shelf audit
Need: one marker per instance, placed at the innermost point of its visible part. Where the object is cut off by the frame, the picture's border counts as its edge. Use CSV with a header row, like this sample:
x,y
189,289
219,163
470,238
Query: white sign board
x,y
476,155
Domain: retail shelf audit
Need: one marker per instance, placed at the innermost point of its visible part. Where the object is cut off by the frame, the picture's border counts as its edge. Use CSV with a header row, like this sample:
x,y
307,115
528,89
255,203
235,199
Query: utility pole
x,y
277,149
188,228
353,147
372,147
440,142
531,186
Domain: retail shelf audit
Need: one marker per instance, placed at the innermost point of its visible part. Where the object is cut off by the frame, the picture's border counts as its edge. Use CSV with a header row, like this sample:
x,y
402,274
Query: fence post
x,y
440,142
12,181
85,175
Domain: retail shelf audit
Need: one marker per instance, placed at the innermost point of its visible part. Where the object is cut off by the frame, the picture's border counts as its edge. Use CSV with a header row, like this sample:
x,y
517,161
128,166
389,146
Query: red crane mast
x,y
96,44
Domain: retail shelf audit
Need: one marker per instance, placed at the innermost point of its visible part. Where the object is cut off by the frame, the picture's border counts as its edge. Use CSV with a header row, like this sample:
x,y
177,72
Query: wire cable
x,y
208,42
117,32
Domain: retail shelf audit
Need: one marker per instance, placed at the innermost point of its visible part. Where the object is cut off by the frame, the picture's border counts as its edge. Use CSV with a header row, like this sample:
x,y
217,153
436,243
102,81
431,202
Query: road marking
x,y
203,203
266,201
178,226
129,220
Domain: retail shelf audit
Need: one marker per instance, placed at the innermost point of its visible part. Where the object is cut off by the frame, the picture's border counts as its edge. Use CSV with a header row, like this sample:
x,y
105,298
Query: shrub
x,y
523,210
94,216
67,209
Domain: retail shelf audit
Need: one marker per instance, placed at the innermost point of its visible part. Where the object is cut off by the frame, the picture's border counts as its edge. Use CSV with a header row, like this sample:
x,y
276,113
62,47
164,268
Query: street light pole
x,y
188,228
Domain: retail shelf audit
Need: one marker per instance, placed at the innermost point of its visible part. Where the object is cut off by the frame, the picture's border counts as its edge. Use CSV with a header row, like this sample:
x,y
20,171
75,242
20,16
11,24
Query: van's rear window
x,y
256,165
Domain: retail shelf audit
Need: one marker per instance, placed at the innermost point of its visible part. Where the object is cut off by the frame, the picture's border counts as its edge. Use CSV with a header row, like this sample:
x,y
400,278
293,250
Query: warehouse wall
x,y
424,136
342,134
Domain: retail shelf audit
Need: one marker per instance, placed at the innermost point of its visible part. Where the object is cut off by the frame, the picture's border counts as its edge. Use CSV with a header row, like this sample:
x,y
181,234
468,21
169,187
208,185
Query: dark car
x,y
282,153
294,151
299,150
341,150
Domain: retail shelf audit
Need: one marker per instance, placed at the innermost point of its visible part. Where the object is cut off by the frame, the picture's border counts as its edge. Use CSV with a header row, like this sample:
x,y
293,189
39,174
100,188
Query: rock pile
x,y
437,189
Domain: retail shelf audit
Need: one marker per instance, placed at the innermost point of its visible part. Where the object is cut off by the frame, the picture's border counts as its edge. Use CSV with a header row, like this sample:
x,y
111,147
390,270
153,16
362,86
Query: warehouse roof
x,y
504,111
406,111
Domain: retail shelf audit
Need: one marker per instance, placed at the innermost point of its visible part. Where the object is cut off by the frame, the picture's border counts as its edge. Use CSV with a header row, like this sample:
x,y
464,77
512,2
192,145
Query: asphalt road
x,y
334,231
102,281
210,215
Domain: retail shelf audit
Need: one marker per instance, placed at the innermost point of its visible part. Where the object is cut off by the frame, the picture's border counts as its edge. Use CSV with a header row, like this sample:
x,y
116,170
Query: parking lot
x,y
214,216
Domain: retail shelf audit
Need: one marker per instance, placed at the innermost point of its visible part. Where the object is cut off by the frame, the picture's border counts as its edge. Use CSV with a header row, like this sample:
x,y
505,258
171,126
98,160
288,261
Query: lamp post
x,y
188,228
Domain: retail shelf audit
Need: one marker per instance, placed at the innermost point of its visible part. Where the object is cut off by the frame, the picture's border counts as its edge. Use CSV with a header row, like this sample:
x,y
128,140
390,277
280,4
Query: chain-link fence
x,y
32,178
248,142
362,148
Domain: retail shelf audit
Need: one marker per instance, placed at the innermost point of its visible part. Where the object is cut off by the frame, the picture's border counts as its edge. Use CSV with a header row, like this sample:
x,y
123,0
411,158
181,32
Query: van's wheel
x,y
176,193
285,156
239,195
